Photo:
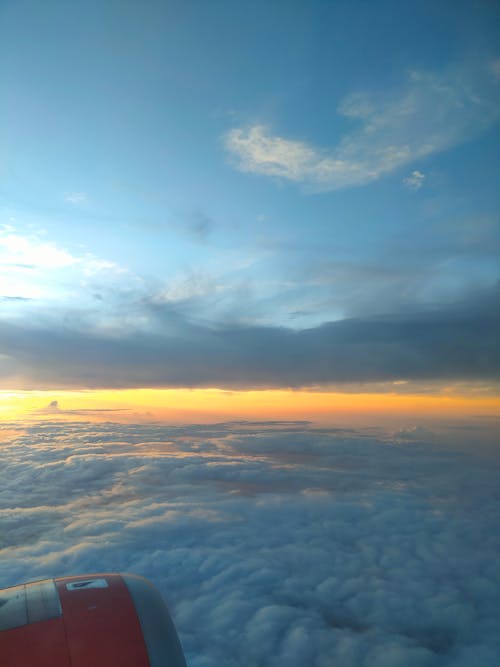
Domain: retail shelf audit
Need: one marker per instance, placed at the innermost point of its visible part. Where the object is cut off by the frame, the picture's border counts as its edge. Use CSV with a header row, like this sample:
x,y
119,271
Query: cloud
x,y
201,226
76,197
193,286
260,152
28,263
164,348
495,68
431,113
272,544
415,180
33,268
418,433
32,252
54,409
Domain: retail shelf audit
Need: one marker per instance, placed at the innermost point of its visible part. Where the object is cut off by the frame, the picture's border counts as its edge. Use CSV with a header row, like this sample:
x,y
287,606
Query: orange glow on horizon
x,y
191,405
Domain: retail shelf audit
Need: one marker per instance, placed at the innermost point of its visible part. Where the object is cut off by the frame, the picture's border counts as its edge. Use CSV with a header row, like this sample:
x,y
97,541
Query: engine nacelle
x,y
96,620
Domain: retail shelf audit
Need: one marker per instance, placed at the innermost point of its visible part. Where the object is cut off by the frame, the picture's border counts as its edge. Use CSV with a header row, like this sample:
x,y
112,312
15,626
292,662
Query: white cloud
x,y
35,268
272,544
27,262
415,180
32,252
76,197
430,114
263,153
195,285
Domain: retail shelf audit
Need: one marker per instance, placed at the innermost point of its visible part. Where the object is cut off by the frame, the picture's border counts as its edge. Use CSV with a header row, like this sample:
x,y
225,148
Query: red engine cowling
x,y
108,620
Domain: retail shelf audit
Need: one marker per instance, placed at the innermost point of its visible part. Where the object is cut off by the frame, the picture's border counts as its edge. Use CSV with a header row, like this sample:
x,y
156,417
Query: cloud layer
x,y
272,543
457,342
431,113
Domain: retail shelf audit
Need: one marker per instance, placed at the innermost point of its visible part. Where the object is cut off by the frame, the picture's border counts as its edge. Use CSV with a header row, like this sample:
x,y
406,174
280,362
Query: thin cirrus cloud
x,y
76,197
273,544
415,180
430,114
54,409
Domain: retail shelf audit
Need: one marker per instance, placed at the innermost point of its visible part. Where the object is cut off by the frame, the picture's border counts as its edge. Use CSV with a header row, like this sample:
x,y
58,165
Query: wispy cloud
x,y
430,113
31,251
27,264
76,197
495,68
415,180
54,409
32,267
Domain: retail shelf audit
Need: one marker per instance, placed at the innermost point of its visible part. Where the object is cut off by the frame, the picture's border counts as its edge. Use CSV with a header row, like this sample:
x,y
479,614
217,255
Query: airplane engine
x,y
108,620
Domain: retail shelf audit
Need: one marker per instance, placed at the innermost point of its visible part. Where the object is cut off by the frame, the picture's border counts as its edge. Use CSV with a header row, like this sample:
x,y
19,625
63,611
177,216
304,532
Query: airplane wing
x,y
108,620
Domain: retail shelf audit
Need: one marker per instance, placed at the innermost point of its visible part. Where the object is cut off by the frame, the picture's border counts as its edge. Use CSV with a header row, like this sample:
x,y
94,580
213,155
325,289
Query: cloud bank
x,y
431,113
456,342
272,543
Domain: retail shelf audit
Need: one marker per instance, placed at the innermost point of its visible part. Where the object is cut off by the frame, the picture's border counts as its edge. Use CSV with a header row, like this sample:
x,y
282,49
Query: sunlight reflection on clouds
x,y
273,544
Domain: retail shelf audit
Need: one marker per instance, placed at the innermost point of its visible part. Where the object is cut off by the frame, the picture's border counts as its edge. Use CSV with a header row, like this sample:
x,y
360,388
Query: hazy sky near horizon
x,y
249,194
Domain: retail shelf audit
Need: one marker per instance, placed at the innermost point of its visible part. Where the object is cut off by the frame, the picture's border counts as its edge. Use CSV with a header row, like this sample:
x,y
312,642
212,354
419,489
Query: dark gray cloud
x,y
272,543
454,342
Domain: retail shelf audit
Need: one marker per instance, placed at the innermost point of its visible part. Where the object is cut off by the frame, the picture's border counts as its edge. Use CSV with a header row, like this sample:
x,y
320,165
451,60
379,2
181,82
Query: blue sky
x,y
171,167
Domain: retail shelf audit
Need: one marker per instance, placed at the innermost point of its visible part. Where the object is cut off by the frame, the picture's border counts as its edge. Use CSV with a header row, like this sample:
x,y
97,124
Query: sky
x,y
250,319
296,196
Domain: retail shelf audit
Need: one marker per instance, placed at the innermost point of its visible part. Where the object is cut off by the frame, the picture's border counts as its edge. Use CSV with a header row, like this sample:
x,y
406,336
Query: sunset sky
x,y
294,199
250,319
